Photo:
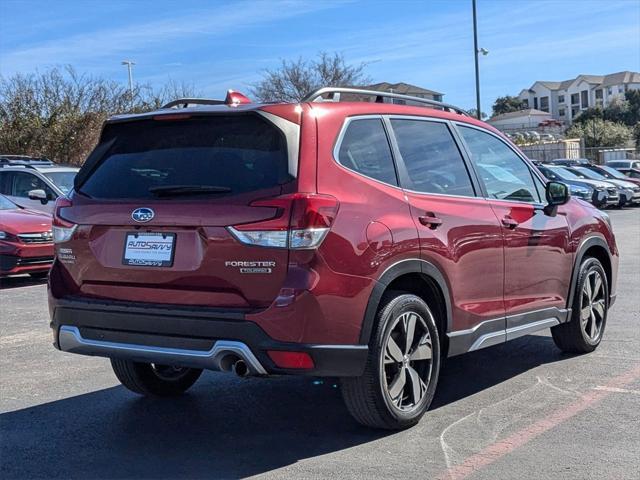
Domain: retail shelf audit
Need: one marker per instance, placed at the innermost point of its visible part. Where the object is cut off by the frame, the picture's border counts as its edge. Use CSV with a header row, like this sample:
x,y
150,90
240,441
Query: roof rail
x,y
23,160
233,99
185,102
316,96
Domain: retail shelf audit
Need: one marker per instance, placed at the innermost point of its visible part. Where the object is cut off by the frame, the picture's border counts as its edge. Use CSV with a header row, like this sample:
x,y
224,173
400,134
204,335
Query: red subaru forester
x,y
365,240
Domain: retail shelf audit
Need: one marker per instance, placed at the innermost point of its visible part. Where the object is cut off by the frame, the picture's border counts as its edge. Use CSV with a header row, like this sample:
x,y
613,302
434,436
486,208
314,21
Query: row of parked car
x,y
604,186
28,190
29,187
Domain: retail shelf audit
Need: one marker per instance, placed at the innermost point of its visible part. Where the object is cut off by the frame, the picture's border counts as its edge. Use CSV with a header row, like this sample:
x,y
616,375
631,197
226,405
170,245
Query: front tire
x,y
583,333
402,369
154,380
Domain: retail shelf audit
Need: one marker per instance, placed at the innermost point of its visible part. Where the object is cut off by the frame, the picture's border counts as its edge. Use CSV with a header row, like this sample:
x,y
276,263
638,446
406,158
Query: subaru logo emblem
x,y
143,214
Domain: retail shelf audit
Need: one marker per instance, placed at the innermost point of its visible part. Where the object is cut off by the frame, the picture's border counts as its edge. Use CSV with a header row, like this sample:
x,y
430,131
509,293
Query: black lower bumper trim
x,y
198,329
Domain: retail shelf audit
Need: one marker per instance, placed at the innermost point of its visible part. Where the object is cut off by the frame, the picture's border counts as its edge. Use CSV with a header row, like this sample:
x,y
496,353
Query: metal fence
x,y
599,155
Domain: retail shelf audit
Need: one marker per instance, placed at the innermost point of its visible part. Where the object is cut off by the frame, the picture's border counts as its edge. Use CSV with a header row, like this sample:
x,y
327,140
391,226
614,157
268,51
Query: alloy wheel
x,y
592,305
407,361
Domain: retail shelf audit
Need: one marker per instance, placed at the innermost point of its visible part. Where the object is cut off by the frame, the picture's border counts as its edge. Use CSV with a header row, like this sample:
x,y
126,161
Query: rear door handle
x,y
509,222
430,220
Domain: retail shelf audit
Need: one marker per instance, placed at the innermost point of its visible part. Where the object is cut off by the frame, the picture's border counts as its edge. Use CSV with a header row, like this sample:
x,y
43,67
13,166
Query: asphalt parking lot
x,y
519,410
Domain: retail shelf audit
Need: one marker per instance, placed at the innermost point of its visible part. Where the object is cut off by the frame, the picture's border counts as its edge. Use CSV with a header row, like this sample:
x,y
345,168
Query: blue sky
x,y
216,45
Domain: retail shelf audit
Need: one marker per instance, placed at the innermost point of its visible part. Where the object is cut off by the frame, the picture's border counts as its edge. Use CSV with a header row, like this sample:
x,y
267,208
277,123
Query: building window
x,y
561,112
609,91
620,89
535,102
584,99
575,99
544,104
560,98
525,103
574,112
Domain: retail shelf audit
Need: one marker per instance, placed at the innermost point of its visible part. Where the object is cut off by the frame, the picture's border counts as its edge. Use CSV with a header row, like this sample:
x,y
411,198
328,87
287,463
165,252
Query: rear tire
x,y
583,333
155,380
402,369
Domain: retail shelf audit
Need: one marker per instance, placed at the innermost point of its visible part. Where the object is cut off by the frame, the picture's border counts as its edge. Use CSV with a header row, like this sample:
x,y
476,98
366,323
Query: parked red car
x,y
360,240
26,243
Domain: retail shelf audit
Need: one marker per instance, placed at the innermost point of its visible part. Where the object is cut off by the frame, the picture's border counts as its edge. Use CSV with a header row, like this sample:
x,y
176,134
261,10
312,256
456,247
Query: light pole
x,y
476,52
130,65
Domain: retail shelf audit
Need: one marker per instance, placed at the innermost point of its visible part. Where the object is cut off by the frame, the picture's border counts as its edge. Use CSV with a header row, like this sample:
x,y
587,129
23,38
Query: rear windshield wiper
x,y
174,190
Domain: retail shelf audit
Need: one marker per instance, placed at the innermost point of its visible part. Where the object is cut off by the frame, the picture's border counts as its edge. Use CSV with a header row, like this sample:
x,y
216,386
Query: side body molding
x,y
396,270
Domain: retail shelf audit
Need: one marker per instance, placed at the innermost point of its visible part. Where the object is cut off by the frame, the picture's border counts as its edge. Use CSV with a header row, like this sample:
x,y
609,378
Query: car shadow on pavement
x,y
20,281
224,427
465,375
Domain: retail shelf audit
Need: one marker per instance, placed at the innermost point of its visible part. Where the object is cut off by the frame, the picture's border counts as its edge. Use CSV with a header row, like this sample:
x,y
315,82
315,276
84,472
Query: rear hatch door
x,y
153,203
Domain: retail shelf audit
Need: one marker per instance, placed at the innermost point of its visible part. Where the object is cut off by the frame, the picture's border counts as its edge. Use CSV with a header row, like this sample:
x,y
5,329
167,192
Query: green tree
x,y
296,78
636,134
601,133
633,100
507,104
474,113
622,110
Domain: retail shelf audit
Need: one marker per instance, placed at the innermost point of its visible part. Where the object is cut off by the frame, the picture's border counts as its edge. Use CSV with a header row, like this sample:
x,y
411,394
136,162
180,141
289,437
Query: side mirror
x,y
38,194
557,194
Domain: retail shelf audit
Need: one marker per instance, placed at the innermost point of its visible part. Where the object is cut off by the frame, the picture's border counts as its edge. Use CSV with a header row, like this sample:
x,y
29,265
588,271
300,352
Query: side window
x,y
505,175
433,161
365,149
24,182
5,183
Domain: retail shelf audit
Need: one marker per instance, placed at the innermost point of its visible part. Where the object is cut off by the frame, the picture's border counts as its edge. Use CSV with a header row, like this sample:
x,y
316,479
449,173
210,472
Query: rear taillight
x,y
302,222
62,229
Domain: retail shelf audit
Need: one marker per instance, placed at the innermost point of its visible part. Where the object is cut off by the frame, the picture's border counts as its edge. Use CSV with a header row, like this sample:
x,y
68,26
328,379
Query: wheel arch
x,y
591,247
421,278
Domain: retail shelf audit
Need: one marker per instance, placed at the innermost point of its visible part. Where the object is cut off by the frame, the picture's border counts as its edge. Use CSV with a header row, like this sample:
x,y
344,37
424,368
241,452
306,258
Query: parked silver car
x,y
34,183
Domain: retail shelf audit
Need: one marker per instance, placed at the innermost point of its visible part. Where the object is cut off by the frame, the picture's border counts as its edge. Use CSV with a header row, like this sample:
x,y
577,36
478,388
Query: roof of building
x,y
598,80
520,113
402,88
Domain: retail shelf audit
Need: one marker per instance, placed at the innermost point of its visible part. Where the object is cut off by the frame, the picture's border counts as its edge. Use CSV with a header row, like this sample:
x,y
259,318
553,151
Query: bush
x,y
58,114
601,133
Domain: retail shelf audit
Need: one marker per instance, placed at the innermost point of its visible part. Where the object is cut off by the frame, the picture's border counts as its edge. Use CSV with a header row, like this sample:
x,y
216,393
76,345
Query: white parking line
x,y
616,390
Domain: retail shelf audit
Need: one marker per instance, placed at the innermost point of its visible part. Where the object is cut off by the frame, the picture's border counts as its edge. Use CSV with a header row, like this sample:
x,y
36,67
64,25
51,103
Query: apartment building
x,y
565,100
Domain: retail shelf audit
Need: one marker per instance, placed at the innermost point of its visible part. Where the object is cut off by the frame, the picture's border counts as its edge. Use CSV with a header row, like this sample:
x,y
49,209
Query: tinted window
x,y
63,180
505,175
19,184
365,149
238,153
433,161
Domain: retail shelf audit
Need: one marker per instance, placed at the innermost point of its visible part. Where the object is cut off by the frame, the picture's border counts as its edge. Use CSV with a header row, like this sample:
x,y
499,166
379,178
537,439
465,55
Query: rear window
x,y
233,153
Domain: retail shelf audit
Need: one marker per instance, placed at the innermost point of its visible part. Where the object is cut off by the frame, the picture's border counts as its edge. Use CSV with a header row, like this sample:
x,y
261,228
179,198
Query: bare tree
x,y
294,79
59,113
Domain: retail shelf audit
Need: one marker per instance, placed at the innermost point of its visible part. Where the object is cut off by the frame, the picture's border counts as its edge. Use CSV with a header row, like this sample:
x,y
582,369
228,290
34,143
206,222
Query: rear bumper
x,y
194,337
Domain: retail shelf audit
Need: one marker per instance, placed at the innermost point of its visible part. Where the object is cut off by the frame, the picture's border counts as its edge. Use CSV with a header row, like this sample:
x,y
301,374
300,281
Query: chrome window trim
x,y
451,129
340,138
383,117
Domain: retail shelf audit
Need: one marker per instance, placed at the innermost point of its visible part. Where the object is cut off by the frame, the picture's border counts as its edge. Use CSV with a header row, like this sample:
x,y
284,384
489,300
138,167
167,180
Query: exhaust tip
x,y
240,368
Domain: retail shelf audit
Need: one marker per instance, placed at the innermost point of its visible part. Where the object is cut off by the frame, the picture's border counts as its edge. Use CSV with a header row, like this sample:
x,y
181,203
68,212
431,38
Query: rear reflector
x,y
302,221
293,360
